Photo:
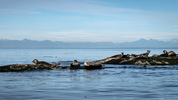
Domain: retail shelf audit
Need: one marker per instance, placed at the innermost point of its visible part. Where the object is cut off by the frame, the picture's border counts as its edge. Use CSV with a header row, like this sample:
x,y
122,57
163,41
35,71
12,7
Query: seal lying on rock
x,y
142,55
75,64
171,54
165,54
126,56
43,63
155,55
117,56
92,65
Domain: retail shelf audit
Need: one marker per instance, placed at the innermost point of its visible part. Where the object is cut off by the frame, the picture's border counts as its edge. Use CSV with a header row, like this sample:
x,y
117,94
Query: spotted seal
x,y
118,56
155,55
171,54
43,63
142,55
75,64
165,54
92,65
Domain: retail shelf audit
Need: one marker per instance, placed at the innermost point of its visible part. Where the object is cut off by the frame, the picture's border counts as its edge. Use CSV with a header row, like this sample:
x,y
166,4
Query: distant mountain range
x,y
47,44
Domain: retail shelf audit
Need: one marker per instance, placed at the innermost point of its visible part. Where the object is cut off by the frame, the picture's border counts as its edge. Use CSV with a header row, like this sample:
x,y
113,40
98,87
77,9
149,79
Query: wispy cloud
x,y
96,16
118,23
87,7
78,35
28,28
71,17
15,11
84,35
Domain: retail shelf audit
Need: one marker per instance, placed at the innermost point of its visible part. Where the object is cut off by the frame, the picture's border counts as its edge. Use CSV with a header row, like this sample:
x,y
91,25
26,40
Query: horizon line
x,y
85,41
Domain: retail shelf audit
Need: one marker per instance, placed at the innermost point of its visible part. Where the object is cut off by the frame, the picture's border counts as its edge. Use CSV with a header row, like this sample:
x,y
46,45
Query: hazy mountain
x,y
142,43
175,40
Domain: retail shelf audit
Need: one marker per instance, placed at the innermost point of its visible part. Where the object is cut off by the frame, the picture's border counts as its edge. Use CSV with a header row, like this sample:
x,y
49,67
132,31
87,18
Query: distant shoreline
x,y
47,44
101,48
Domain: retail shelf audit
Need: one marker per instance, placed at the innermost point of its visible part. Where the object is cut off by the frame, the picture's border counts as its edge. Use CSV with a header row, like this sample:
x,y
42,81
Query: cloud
x,y
71,17
65,5
113,36
116,23
101,14
27,28
78,35
15,11
87,7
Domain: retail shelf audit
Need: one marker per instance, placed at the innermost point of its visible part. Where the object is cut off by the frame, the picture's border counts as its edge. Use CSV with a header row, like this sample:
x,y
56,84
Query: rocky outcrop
x,y
168,58
145,61
30,67
21,67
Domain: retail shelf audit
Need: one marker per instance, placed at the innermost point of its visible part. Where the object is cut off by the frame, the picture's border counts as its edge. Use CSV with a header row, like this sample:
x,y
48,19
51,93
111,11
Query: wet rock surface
x,y
21,67
29,67
143,61
167,58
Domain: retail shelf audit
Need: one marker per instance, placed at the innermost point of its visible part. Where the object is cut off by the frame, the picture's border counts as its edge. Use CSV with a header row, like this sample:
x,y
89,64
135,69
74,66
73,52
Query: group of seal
x,y
144,55
166,54
119,57
74,65
98,64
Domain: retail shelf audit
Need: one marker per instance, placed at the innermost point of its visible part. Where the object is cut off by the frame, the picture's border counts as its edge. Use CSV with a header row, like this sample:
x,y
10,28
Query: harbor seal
x,y
142,55
171,54
165,54
43,63
92,65
75,64
155,55
133,55
118,56
126,56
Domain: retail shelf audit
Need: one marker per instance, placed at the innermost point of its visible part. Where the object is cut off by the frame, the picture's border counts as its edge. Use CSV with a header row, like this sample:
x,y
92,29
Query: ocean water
x,y
114,82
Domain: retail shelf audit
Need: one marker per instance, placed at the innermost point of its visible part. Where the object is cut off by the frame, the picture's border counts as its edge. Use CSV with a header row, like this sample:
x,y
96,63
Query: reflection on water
x,y
111,83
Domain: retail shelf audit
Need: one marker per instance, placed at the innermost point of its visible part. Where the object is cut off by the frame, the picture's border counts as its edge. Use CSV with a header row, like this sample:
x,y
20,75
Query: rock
x,y
167,63
20,67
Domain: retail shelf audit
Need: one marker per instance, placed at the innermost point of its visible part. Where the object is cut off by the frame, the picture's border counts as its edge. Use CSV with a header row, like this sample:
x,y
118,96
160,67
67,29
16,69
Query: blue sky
x,y
89,20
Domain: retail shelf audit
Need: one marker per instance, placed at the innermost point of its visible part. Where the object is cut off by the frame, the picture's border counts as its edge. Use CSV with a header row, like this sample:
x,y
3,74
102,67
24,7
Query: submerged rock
x,y
21,67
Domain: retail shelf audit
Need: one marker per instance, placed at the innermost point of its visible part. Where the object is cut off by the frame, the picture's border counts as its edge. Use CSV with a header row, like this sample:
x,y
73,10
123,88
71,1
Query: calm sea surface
x,y
112,83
